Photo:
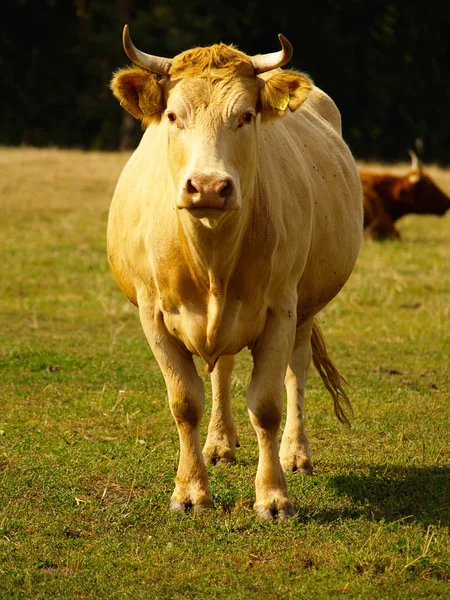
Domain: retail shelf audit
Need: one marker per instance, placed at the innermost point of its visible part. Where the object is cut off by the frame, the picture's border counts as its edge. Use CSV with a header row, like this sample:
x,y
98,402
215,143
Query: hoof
x,y
286,513
178,506
297,464
216,457
306,470
224,460
265,513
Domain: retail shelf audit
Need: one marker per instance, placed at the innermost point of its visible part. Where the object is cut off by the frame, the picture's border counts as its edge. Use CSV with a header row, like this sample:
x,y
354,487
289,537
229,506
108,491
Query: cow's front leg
x,y
265,405
295,454
186,399
221,442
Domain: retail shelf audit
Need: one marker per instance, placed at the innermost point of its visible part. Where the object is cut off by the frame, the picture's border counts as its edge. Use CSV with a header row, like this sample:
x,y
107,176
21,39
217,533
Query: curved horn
x,y
416,167
155,64
267,62
415,162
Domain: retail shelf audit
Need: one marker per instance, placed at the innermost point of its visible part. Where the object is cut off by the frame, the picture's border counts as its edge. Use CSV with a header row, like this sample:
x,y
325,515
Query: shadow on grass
x,y
393,493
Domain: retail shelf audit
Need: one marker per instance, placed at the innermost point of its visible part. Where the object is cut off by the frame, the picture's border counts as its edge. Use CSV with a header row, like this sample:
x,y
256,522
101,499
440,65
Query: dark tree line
x,y
386,64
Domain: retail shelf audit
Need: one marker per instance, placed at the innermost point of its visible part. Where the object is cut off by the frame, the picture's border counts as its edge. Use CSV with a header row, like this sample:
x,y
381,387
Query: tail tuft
x,y
333,381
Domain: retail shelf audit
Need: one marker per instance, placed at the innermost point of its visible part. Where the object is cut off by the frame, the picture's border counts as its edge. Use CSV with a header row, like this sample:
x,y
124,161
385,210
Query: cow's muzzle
x,y
208,192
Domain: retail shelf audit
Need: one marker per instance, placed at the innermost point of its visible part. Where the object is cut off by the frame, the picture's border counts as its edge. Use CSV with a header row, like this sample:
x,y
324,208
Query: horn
x,y
155,64
416,167
267,62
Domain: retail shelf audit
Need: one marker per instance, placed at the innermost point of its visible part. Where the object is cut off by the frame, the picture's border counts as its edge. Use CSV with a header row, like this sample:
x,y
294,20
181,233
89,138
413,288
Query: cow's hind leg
x,y
221,442
295,454
186,399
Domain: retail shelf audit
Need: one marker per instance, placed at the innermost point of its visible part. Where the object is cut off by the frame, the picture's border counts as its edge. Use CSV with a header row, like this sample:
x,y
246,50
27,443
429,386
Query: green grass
x,y
88,449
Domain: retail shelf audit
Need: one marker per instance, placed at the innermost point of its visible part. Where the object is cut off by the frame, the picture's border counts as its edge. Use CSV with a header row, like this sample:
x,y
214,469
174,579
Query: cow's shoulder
x,y
320,103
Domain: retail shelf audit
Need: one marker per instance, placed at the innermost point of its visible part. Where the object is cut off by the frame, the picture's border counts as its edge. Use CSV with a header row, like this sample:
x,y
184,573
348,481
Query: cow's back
x,y
320,103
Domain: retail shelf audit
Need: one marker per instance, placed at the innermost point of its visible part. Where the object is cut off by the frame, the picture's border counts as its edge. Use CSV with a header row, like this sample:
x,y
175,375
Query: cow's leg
x,y
295,454
383,228
221,442
265,405
186,399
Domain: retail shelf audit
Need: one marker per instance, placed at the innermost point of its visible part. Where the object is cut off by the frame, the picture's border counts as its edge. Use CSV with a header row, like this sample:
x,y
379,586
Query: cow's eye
x,y
246,118
172,117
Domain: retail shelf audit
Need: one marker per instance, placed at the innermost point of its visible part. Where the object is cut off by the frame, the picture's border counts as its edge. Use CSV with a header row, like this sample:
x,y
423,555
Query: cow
x,y
235,221
387,197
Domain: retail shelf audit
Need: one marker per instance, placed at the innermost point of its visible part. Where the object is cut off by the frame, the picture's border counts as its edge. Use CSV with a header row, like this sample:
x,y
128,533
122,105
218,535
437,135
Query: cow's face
x,y
428,198
212,149
210,105
413,194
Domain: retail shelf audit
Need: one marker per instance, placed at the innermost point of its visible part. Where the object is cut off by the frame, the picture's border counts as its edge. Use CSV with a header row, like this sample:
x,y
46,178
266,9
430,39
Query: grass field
x,y
88,449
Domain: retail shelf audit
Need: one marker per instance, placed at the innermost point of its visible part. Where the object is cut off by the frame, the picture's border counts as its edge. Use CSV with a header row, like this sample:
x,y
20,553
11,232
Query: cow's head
x,y
208,99
418,192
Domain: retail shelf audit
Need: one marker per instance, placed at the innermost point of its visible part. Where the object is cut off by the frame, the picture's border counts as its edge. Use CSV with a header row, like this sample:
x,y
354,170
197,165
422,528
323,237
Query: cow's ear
x,y
282,90
139,92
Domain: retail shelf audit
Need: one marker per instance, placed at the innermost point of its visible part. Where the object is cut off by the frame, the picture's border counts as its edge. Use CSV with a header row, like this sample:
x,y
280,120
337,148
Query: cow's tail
x,y
333,380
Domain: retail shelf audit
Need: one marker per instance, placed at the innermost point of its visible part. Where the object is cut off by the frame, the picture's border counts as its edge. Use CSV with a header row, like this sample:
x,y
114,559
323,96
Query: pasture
x,y
88,448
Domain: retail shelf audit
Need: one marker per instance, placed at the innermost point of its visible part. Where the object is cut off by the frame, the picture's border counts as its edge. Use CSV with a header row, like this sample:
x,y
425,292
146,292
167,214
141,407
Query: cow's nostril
x,y
191,187
225,189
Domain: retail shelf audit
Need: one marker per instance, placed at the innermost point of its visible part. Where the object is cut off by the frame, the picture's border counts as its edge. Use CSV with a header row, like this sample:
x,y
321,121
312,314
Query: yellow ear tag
x,y
145,106
281,102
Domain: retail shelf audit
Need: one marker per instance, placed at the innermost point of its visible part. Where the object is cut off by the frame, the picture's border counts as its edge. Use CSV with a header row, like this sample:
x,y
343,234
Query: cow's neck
x,y
211,256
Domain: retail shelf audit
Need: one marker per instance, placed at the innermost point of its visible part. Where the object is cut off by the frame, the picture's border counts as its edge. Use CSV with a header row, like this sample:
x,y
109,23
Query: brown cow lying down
x,y
387,197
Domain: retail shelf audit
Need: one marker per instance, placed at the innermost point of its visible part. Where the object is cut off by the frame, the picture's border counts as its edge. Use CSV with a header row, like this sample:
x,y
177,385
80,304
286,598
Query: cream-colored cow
x,y
235,221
